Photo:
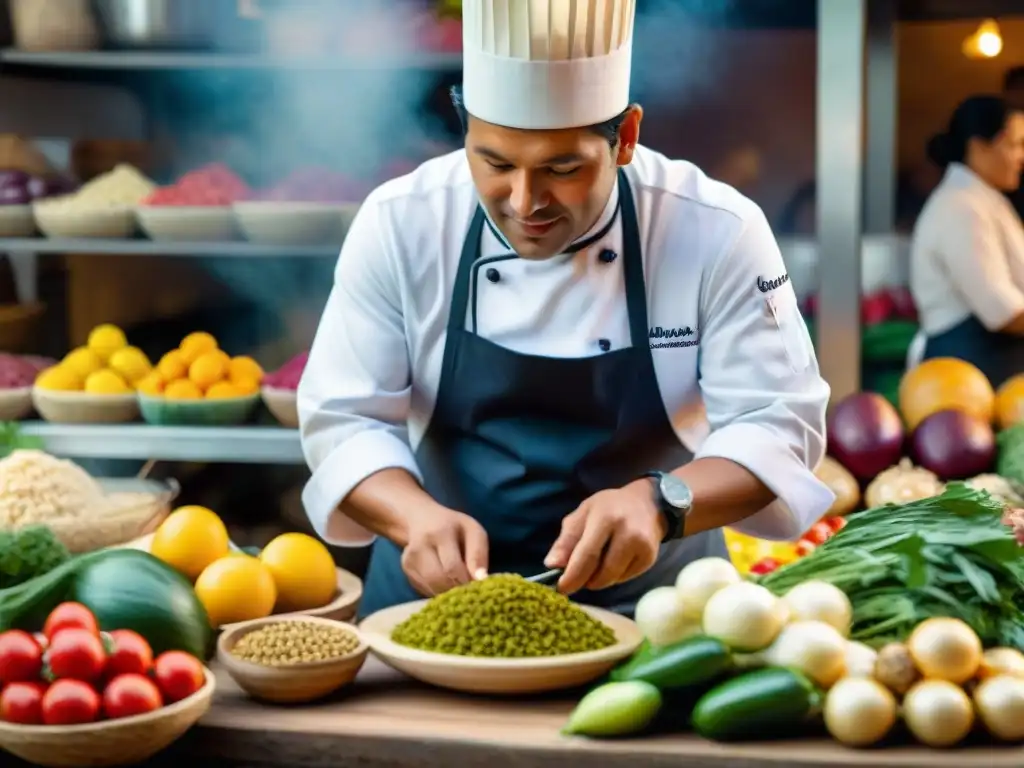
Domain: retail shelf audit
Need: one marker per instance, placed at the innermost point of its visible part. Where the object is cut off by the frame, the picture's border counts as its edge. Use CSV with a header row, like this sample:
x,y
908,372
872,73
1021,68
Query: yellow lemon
x,y
82,361
131,363
224,390
151,384
244,368
182,389
190,539
245,385
172,366
207,369
196,344
106,339
60,379
106,382
303,570
236,589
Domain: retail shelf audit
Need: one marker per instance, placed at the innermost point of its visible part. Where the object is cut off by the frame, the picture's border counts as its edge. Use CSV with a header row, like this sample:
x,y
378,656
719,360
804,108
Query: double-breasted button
x,y
493,275
607,256
604,344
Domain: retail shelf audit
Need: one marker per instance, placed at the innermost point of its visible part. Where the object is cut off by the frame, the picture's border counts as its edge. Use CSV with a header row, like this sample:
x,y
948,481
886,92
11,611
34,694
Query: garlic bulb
x,y
902,483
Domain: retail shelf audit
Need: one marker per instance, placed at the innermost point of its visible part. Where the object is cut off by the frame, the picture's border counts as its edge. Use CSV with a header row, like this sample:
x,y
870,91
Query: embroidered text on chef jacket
x,y
749,390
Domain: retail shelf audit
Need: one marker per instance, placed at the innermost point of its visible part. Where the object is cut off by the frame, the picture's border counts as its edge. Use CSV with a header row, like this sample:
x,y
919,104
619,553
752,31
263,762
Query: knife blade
x,y
548,577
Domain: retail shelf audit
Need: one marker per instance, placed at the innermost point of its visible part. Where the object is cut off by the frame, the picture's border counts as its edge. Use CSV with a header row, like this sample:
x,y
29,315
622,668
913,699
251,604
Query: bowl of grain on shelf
x,y
187,223
60,407
65,217
294,223
15,403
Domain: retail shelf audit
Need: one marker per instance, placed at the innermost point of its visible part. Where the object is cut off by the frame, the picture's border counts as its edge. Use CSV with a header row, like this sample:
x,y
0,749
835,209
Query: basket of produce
x,y
82,512
17,373
199,384
103,207
78,696
464,640
279,390
291,659
195,208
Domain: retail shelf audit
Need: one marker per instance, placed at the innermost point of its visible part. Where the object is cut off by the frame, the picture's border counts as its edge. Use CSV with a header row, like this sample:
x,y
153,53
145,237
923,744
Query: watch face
x,y
676,492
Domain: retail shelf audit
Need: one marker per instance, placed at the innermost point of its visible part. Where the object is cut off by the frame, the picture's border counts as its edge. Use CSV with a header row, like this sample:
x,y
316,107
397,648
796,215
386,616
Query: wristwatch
x,y
674,499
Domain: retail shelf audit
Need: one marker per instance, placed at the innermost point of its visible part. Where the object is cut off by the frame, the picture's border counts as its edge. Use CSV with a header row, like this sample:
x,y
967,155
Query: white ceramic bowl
x,y
59,219
17,221
283,404
283,223
84,408
15,403
192,223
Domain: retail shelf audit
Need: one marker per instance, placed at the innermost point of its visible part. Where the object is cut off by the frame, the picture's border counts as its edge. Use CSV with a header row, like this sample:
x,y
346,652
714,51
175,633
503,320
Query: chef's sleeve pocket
x,y
784,312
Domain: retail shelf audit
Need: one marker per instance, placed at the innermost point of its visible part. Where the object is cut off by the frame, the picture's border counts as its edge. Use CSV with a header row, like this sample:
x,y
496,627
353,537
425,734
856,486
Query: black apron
x,y
518,441
998,355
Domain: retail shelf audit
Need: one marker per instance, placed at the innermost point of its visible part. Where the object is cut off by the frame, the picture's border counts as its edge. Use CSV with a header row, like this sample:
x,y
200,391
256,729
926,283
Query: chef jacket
x,y
966,255
732,355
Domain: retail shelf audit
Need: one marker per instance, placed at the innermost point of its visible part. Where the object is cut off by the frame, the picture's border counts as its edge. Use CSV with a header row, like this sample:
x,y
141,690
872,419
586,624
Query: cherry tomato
x,y
23,703
70,702
21,658
818,534
77,654
178,674
131,694
804,547
765,565
836,523
70,616
131,654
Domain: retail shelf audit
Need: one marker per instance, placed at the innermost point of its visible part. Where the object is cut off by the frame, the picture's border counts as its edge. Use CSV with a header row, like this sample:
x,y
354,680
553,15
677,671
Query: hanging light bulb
x,y
985,43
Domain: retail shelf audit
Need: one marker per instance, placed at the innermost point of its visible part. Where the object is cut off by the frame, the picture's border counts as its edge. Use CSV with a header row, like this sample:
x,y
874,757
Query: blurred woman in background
x,y
967,251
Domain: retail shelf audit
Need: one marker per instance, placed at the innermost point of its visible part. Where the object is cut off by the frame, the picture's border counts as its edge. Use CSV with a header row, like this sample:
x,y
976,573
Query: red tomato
x,y
21,658
23,703
77,654
764,565
836,523
70,702
131,654
178,674
70,616
804,547
129,695
818,534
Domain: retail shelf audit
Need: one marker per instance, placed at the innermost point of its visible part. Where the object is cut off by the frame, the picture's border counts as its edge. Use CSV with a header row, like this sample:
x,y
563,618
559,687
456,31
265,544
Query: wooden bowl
x,y
498,676
187,223
283,404
295,683
17,221
56,218
126,741
294,223
15,404
85,408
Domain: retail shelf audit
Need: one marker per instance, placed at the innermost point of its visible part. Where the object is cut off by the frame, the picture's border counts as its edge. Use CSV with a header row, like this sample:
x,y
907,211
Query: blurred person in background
x,y
967,249
1013,92
556,348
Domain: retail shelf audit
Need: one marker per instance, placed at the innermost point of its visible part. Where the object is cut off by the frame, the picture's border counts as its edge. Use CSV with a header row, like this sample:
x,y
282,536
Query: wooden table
x,y
387,720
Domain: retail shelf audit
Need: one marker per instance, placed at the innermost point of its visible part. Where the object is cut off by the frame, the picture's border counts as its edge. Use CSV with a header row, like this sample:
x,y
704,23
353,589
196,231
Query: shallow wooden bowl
x,y
84,407
498,676
15,403
127,741
295,683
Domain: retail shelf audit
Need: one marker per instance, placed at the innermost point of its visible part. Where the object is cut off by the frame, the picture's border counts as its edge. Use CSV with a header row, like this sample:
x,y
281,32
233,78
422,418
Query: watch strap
x,y
675,520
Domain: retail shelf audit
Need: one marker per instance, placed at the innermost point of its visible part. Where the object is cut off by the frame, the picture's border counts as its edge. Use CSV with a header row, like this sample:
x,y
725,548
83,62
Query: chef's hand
x,y
610,538
445,549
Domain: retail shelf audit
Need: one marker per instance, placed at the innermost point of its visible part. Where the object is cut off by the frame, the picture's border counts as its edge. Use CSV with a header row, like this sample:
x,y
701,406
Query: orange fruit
x,y
243,367
151,384
1010,402
223,390
207,369
182,389
196,344
945,384
236,589
172,366
190,539
246,386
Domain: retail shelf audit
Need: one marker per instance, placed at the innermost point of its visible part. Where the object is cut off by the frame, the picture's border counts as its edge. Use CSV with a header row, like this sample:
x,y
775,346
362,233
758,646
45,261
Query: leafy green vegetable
x,y
1010,461
949,555
12,439
29,552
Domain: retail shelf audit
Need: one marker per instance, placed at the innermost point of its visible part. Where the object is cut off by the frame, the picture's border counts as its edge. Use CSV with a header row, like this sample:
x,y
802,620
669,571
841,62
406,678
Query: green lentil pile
x,y
503,616
285,643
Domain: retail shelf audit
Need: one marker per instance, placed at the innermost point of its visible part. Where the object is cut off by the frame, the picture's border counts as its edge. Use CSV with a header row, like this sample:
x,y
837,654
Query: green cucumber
x,y
691,662
615,709
760,705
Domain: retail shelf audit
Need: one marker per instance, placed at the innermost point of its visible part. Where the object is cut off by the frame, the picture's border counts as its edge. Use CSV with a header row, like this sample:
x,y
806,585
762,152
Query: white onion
x,y
945,649
820,601
744,616
1000,704
938,713
660,616
1001,661
701,579
812,647
859,712
860,660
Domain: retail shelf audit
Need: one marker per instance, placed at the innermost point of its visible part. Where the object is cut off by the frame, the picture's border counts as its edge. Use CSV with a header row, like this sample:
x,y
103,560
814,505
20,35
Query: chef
x,y
557,348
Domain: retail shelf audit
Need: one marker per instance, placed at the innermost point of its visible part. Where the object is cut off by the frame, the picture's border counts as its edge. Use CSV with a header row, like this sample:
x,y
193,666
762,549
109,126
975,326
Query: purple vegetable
x,y
49,186
865,434
954,445
14,196
13,179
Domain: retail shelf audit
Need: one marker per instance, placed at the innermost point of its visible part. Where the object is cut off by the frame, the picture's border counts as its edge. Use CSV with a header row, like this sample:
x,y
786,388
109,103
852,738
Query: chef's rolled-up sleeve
x,y
354,395
759,379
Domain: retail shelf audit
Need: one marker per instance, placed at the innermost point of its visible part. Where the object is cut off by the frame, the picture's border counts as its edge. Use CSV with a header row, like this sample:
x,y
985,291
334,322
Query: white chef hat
x,y
541,64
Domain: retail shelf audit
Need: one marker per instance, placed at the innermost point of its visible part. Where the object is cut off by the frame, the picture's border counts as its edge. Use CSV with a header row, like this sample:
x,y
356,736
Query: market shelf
x,y
159,60
242,445
129,247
